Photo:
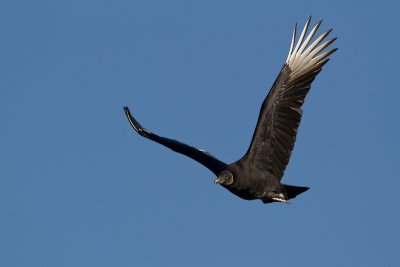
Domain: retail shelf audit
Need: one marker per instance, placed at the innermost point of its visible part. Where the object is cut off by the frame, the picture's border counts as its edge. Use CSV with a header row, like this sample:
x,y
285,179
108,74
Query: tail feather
x,y
292,191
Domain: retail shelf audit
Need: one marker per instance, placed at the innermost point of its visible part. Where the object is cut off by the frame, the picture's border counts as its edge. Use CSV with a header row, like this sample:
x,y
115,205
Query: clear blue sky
x,y
79,188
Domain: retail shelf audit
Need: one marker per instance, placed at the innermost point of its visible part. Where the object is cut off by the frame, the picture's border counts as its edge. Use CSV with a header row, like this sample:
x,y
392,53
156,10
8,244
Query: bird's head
x,y
224,178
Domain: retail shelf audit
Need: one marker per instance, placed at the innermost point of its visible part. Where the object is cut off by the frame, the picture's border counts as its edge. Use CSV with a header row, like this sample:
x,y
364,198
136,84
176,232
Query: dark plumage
x,y
258,174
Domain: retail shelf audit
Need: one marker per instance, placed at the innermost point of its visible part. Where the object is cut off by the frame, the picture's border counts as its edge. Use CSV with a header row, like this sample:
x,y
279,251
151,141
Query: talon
x,y
280,200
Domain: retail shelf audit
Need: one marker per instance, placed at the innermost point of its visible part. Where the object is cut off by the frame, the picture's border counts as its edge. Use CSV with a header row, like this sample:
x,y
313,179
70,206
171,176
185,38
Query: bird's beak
x,y
217,181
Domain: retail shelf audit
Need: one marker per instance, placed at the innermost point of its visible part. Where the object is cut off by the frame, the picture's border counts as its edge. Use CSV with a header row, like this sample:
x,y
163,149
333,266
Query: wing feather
x,y
280,115
199,155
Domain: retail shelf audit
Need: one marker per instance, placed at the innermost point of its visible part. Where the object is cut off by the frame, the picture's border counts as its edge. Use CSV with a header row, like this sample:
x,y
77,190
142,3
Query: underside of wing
x,y
201,156
275,134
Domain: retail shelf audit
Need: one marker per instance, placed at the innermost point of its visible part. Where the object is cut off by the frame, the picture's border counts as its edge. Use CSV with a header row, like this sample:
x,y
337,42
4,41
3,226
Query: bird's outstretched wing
x,y
275,134
201,156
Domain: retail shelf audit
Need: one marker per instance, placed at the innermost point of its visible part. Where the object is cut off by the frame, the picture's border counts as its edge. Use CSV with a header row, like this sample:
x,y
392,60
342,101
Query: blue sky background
x,y
79,188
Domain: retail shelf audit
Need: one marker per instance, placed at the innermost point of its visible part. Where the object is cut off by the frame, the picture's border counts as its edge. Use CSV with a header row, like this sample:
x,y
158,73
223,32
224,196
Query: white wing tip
x,y
304,55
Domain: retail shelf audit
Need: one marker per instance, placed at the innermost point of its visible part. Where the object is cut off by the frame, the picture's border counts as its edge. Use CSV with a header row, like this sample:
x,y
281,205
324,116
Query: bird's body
x,y
251,183
258,174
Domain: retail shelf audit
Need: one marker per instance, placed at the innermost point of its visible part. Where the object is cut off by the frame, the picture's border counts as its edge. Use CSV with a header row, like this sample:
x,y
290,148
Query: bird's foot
x,y
277,197
282,200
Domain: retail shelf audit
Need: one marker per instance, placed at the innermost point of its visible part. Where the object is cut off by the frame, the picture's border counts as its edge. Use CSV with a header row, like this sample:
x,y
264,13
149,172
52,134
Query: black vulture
x,y
258,174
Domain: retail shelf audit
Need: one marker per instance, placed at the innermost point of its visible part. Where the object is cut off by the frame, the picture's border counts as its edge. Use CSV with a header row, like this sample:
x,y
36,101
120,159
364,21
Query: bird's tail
x,y
292,191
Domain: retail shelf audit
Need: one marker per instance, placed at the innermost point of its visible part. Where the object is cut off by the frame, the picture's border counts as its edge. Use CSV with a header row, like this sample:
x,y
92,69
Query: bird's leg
x,y
281,200
278,197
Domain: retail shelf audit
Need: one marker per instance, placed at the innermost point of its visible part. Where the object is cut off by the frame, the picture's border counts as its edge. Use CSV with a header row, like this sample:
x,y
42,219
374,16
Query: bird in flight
x,y
258,174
